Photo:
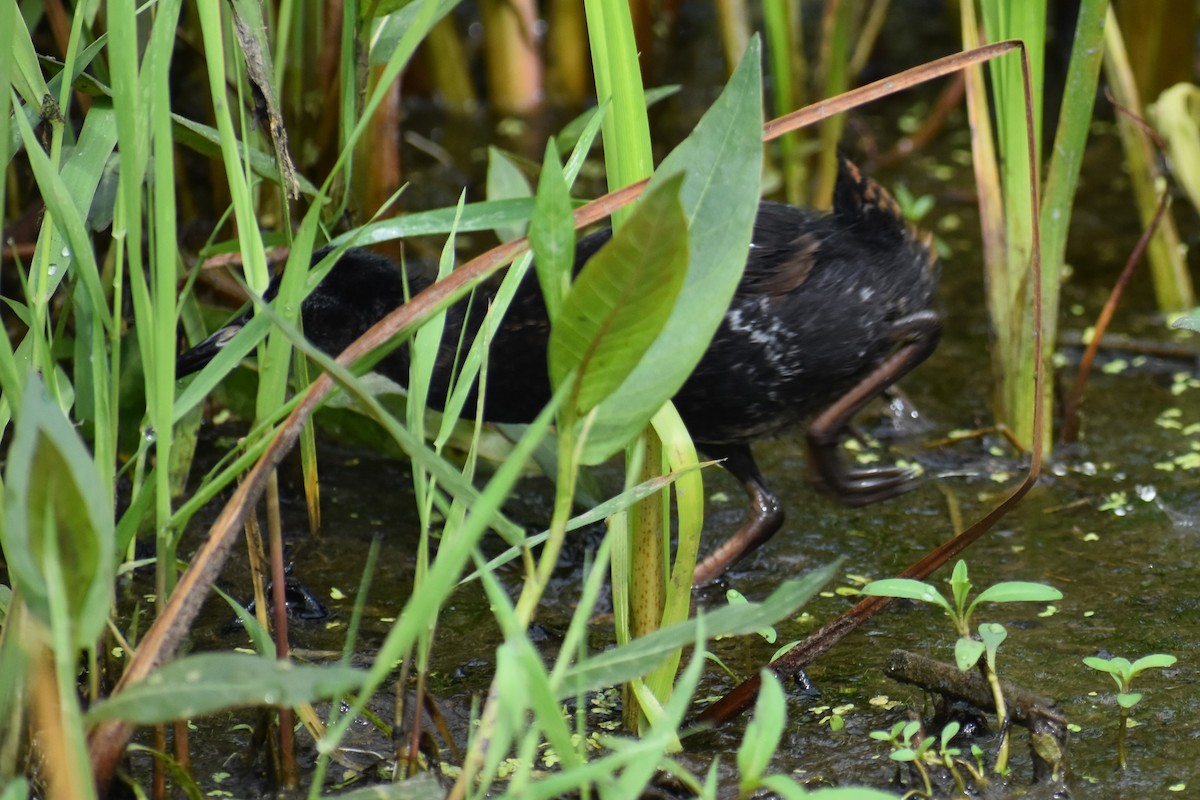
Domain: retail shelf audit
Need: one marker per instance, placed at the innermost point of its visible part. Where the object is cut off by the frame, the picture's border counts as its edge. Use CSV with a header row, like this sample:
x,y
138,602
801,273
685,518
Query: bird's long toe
x,y
866,486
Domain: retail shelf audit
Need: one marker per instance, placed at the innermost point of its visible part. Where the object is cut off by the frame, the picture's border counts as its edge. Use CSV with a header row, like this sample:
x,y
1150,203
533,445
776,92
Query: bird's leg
x,y
764,519
917,336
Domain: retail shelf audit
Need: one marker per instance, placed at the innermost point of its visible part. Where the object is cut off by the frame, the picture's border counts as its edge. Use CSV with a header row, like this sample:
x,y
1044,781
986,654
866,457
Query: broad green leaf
x,y
720,194
1128,700
620,301
948,733
1189,321
906,589
1018,592
993,635
203,684
56,512
1112,666
1159,660
552,232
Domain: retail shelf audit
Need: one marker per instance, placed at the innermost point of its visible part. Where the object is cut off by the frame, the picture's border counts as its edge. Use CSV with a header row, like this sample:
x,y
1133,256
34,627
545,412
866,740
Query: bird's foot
x,y
860,487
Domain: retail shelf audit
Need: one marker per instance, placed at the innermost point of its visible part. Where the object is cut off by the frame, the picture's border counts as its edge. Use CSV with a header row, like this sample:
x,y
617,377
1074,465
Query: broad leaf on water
x,y
723,161
57,515
621,299
210,682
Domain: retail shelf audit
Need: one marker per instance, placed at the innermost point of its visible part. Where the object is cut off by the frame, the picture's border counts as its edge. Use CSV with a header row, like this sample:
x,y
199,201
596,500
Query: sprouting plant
x,y
1123,672
949,756
932,751
909,748
969,651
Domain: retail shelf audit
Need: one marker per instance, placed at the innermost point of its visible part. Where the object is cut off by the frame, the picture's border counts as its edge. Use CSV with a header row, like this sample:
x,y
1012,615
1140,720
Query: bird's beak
x,y
195,359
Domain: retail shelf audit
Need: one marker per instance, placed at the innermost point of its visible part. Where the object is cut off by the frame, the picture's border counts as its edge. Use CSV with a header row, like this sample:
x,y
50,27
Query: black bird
x,y
831,310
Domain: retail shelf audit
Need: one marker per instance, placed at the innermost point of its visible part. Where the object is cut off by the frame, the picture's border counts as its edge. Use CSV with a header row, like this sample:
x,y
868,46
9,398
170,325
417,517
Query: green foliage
x,y
552,232
58,522
959,607
198,685
620,302
1123,671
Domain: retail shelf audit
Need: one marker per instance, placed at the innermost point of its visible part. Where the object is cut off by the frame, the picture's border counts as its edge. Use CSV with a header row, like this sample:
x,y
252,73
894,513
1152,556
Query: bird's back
x,y
813,313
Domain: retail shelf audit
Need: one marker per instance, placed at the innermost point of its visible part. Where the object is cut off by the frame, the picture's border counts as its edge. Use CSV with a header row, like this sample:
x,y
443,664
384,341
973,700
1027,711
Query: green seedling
x,y
1123,672
968,651
950,758
909,748
932,751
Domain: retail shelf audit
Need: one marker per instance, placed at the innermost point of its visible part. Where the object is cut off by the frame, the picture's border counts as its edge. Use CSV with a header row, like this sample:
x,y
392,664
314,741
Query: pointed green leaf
x,y
619,302
641,655
762,734
906,589
552,232
960,585
506,181
210,682
1158,660
1018,592
723,159
56,511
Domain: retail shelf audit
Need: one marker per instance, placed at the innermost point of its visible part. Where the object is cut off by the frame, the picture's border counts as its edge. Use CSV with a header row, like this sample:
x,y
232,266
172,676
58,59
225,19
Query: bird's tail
x,y
860,199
